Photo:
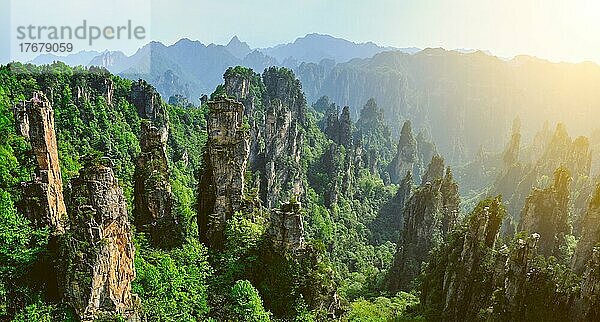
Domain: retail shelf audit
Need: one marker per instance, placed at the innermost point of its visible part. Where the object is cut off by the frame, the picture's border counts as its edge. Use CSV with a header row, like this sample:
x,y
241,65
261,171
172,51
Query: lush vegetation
x,y
347,206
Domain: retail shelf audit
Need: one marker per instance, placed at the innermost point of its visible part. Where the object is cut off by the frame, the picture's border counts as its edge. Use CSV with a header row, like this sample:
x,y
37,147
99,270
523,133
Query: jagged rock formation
x,y
435,170
43,200
286,228
225,159
457,282
517,267
98,250
281,83
148,103
237,85
575,155
590,235
153,199
338,126
406,158
429,216
588,304
88,87
546,212
538,161
425,147
275,122
375,136
279,162
333,162
511,152
290,266
404,190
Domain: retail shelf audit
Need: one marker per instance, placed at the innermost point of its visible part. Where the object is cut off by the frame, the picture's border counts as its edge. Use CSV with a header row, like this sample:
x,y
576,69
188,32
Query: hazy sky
x,y
556,30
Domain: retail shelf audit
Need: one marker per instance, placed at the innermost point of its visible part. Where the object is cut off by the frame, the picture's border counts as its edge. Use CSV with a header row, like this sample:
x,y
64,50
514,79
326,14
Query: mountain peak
x,y
238,48
234,41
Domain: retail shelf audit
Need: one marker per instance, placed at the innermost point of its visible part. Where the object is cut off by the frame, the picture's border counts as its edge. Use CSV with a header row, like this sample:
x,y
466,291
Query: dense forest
x,y
256,205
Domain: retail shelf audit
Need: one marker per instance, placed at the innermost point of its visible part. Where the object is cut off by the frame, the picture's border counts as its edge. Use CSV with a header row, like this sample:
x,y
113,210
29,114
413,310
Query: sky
x,y
554,30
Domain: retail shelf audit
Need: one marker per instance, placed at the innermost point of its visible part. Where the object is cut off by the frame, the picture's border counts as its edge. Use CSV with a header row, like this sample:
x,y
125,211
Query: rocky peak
x,y
238,48
590,286
404,190
286,228
425,147
280,159
590,234
450,201
99,251
43,200
282,84
345,128
338,127
561,150
148,103
406,158
153,199
517,270
225,159
449,279
546,212
435,170
511,152
237,82
429,215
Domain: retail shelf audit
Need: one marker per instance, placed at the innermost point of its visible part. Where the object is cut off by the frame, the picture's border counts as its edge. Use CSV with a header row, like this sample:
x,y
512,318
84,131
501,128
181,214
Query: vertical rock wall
x,y
222,180
43,200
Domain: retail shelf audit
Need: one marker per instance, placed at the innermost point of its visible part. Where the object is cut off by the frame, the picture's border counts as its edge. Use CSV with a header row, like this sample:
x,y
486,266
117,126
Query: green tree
x,y
246,303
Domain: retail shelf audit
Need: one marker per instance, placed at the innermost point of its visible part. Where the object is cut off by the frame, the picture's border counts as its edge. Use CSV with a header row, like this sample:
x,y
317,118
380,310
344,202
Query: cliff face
x,y
435,170
274,131
286,228
429,215
99,251
546,212
148,102
481,234
279,162
590,234
153,199
518,264
513,148
225,159
43,200
406,158
588,302
458,281
338,126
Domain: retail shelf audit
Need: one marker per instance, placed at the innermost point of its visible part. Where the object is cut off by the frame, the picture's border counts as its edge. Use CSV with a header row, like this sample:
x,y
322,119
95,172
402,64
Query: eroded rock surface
x,y
98,250
429,216
222,180
590,235
546,212
286,228
153,199
43,200
407,158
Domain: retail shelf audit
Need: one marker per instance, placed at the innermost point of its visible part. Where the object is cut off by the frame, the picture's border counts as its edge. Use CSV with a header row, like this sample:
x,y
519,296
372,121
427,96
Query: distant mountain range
x,y
190,68
465,99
